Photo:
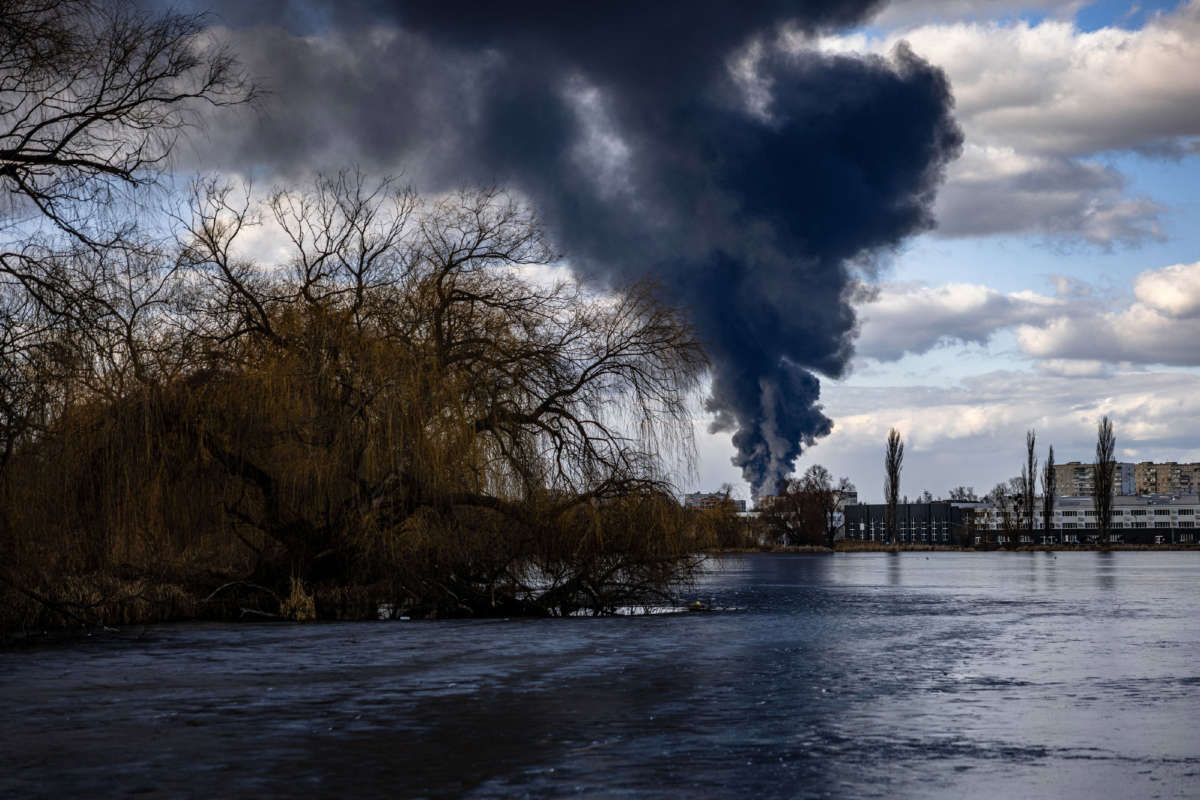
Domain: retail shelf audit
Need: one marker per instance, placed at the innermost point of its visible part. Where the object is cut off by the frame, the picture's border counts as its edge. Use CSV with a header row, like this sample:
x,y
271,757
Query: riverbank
x,y
880,547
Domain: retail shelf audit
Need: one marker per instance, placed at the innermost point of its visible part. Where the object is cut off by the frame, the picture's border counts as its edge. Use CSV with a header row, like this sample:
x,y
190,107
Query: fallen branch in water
x,y
57,607
254,612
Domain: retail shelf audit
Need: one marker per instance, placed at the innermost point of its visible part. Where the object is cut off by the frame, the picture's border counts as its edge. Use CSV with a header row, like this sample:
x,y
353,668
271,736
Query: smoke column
x,y
669,139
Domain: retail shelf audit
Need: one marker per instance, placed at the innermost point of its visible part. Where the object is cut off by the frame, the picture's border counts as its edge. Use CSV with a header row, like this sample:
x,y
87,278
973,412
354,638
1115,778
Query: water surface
x,y
1073,675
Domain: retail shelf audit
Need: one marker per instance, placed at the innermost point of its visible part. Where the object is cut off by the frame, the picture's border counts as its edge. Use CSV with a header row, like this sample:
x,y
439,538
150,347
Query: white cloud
x,y
1162,326
1052,89
1073,368
906,13
1173,291
1039,102
1073,333
973,433
914,318
1138,334
995,190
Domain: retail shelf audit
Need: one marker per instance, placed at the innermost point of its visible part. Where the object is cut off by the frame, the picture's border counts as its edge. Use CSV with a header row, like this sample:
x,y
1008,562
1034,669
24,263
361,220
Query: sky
x,y
963,219
1063,280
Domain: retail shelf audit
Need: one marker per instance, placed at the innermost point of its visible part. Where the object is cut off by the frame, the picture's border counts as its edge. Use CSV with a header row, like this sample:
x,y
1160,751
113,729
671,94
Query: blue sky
x,y
1043,300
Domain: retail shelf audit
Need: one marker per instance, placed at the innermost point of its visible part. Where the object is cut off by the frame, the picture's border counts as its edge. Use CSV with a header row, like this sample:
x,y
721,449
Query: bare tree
x,y
893,460
1007,499
964,494
843,493
95,94
817,482
1105,471
1049,489
1029,478
795,514
392,406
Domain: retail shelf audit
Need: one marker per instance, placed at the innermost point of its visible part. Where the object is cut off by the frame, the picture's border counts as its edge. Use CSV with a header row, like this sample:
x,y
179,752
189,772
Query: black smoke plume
x,y
658,137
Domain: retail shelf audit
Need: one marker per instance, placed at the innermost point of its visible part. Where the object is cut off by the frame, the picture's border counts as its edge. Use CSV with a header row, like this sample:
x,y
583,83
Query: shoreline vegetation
x,y
381,406
170,603
393,417
879,547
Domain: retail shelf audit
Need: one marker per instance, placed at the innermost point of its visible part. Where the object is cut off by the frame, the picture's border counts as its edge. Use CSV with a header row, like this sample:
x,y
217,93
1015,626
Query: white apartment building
x,y
1140,519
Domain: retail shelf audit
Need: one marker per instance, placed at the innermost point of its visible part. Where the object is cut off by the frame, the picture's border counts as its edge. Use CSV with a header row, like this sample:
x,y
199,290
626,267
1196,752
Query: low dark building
x,y
939,522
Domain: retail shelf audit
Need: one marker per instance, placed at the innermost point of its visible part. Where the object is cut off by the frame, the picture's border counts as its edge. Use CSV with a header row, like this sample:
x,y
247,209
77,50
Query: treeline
x,y
1016,501
804,511
389,415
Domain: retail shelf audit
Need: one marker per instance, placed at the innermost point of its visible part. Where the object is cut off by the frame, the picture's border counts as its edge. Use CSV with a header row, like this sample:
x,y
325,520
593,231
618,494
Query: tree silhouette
x,y
893,460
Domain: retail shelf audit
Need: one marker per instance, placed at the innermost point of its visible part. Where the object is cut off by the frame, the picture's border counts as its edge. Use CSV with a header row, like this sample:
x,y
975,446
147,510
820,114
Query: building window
x,y
1162,512
1138,512
1162,524
1186,523
1184,511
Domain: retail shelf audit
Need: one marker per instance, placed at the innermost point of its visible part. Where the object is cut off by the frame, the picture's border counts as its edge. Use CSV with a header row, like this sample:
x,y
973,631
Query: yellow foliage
x,y
298,605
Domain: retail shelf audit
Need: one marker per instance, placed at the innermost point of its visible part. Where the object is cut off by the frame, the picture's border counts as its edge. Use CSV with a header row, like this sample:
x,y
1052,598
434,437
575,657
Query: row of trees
x,y
1016,499
389,413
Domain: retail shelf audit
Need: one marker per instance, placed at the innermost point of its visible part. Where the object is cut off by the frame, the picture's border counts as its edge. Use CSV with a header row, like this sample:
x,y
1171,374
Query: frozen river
x,y
1073,675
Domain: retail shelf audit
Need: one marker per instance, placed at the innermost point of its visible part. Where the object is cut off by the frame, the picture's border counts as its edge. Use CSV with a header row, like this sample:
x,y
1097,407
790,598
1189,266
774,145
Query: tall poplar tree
x,y
1102,484
1030,479
893,460
1049,487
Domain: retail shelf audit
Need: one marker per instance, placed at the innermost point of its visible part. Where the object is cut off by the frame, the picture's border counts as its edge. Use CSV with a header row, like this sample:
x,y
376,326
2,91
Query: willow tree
x,y
485,425
93,97
392,414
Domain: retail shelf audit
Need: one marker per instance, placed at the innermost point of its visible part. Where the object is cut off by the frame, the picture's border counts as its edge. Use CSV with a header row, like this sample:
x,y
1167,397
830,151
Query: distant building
x,y
1076,479
939,522
1136,519
707,500
1166,477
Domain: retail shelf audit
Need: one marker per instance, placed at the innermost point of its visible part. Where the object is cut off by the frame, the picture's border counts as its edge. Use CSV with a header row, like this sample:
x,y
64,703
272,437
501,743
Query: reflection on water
x,y
893,563
856,675
1106,570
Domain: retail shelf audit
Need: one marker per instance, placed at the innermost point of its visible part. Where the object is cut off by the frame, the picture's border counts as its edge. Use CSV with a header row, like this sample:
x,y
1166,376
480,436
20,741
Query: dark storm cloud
x,y
622,122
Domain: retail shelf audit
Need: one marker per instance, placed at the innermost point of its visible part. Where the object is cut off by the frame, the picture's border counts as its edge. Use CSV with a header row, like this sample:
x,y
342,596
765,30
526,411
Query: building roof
x,y
1132,500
